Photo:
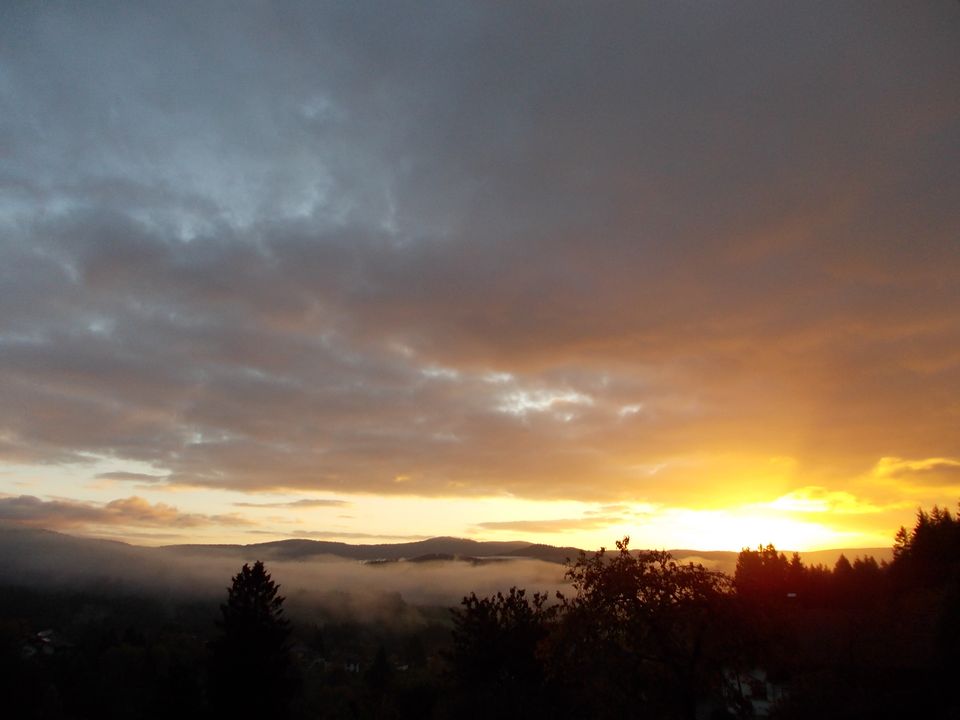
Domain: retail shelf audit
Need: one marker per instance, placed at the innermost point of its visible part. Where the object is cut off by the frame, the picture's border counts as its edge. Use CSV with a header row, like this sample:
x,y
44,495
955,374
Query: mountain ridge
x,y
301,548
296,549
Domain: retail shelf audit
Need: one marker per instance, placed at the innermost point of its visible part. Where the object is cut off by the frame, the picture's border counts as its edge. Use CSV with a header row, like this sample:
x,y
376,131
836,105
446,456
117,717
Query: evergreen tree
x,y
929,555
251,672
765,576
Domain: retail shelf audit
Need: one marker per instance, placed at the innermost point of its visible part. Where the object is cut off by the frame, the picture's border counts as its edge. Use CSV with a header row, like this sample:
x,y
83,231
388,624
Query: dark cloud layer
x,y
473,248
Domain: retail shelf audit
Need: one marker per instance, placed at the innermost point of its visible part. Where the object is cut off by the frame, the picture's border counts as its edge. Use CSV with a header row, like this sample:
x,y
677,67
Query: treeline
x,y
861,639
645,637
114,654
640,635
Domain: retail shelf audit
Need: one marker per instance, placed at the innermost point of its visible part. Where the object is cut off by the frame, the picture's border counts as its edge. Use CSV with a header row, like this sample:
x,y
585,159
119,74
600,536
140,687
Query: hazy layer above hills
x,y
434,571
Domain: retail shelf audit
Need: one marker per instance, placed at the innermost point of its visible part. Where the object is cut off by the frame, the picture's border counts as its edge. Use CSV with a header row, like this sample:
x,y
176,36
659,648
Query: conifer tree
x,y
250,675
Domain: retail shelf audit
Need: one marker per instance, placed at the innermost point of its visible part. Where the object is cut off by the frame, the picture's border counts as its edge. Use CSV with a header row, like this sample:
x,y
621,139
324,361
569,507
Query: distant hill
x,y
29,553
457,547
547,553
451,547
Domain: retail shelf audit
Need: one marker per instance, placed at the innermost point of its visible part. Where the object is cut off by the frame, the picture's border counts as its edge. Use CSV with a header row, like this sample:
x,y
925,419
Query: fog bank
x,y
339,587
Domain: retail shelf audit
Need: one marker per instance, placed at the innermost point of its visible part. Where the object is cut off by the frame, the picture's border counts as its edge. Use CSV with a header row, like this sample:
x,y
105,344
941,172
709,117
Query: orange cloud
x,y
132,511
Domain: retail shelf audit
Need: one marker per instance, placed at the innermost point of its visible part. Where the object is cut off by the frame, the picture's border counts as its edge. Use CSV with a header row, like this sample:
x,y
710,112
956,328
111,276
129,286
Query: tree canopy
x,y
640,635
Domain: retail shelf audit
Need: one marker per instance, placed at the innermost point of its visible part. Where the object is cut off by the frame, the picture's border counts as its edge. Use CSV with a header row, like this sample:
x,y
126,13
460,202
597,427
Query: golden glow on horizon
x,y
810,517
726,529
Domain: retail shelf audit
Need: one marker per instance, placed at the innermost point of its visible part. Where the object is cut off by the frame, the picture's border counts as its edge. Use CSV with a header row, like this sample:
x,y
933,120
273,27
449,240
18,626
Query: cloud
x,y
821,500
131,476
303,503
345,536
132,511
925,472
522,402
530,261
556,525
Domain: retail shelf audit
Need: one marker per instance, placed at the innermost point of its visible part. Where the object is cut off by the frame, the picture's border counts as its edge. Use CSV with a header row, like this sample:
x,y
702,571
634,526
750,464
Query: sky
x,y
557,272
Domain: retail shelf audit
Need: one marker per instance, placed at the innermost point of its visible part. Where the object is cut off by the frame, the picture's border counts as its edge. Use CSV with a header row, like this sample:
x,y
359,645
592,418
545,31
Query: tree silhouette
x,y
250,674
929,555
494,661
643,632
765,576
